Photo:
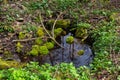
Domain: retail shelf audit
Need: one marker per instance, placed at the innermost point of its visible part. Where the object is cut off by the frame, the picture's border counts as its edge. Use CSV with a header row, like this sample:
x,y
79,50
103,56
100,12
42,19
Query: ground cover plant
x,y
30,30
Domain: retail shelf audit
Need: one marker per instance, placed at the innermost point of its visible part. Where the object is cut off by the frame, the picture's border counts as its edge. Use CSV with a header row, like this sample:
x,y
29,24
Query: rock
x,y
9,64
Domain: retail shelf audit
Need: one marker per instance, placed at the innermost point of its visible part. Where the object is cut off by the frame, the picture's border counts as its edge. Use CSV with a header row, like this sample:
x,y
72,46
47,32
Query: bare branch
x,y
55,23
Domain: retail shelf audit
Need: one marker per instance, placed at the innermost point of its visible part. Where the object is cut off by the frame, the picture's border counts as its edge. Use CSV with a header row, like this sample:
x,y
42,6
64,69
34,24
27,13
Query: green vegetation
x,y
31,29
80,52
19,47
46,72
49,45
70,39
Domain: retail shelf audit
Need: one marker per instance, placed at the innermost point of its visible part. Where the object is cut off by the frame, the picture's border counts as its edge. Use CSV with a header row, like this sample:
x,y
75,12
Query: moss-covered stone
x,y
80,52
63,23
70,39
9,64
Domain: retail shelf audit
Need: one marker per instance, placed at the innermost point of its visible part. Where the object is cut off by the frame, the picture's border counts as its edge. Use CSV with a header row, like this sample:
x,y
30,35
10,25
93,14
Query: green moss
x,y
58,31
38,41
81,33
82,30
9,64
115,17
19,47
40,32
35,50
43,50
49,45
64,23
80,52
70,39
21,35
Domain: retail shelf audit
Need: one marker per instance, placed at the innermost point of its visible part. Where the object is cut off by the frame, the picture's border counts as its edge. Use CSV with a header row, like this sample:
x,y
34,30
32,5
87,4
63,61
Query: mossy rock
x,y
80,52
63,23
70,39
9,64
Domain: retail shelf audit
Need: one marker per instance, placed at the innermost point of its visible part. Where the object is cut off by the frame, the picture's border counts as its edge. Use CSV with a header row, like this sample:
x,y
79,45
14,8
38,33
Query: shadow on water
x,y
69,53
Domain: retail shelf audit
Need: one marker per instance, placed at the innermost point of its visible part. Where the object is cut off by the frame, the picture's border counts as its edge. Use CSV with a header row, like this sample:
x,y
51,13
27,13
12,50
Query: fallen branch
x,y
55,23
51,36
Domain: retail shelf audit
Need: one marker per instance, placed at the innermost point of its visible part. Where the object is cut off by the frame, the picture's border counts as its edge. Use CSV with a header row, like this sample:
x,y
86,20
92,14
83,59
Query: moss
x,y
82,30
21,35
70,39
80,52
38,41
35,50
40,32
81,33
19,47
58,31
115,17
9,64
49,45
64,23
43,50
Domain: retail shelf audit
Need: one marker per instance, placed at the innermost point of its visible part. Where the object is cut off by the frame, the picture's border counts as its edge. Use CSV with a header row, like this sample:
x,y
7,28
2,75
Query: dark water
x,y
69,53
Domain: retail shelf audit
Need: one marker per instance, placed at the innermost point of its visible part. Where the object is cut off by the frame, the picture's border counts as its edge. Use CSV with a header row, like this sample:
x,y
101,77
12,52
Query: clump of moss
x,y
64,23
40,32
21,35
82,30
38,41
35,50
49,45
80,52
43,50
58,31
70,39
19,47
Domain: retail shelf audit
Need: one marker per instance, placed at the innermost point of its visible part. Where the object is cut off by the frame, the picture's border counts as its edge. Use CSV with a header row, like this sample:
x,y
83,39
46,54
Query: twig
x,y
55,23
48,32
23,40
